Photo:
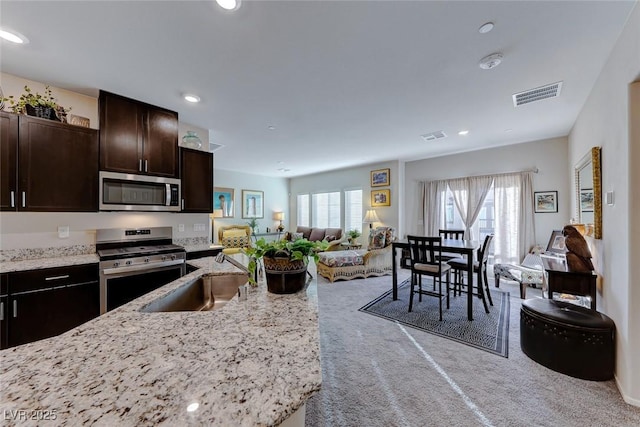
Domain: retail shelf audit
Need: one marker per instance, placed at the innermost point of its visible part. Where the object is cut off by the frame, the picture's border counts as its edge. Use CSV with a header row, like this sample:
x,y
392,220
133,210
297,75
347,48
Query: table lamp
x,y
279,216
370,217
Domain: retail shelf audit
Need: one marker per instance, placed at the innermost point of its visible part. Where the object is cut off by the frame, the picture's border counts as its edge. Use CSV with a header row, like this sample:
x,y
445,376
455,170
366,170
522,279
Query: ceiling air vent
x,y
214,147
537,94
433,135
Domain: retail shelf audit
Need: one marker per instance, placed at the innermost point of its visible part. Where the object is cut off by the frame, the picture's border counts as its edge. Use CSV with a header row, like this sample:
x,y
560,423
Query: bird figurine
x,y
578,254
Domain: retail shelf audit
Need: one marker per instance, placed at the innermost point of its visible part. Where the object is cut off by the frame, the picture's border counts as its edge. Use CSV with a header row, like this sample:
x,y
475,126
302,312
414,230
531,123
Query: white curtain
x,y
468,195
432,207
514,226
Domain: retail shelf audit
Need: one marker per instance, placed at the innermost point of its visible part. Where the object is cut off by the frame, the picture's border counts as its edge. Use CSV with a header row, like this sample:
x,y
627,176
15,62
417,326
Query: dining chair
x,y
453,234
459,266
424,253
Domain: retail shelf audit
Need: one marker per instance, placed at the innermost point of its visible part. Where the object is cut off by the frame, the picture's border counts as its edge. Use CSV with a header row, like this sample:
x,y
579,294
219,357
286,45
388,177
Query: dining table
x,y
463,247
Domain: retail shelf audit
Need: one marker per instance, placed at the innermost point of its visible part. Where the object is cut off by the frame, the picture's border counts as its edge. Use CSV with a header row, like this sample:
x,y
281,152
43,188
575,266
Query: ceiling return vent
x,y
433,136
537,94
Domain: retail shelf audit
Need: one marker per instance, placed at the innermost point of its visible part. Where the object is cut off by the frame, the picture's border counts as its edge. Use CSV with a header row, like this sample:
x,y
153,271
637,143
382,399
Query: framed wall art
x,y
252,204
380,177
223,200
380,198
586,200
545,201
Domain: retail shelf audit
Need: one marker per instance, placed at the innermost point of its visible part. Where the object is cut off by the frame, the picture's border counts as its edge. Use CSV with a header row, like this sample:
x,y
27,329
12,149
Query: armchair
x,y
234,238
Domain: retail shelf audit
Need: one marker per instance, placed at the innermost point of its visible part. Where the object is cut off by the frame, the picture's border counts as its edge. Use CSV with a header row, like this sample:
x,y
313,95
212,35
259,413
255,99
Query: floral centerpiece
x,y
285,262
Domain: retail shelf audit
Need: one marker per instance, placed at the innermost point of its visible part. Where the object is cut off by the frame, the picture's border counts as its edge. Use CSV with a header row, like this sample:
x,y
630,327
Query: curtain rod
x,y
533,170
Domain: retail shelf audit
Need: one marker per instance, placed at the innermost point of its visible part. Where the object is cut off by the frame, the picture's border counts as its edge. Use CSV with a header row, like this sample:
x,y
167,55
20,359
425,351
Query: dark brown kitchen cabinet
x,y
137,138
4,314
48,166
48,302
8,160
196,171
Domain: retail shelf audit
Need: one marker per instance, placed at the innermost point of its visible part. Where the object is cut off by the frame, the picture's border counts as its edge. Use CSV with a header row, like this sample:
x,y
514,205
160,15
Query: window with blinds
x,y
303,210
353,210
325,210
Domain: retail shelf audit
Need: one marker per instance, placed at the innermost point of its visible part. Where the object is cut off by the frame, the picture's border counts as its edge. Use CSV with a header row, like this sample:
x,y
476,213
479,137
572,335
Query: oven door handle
x,y
140,267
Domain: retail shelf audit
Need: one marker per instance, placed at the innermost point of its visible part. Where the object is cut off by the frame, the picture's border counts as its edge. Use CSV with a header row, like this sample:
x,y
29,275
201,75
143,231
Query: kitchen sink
x,y
206,293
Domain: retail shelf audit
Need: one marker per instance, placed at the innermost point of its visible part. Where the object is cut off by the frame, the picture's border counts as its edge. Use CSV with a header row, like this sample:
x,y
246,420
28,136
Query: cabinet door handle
x,y
13,199
24,199
139,165
146,165
66,276
15,308
1,311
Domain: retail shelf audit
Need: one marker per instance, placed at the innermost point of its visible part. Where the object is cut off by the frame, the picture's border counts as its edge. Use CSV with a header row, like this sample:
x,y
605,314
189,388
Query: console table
x,y
569,282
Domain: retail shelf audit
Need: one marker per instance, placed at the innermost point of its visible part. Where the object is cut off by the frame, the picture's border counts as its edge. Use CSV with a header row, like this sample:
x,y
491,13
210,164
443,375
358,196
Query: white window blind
x,y
353,210
325,210
303,210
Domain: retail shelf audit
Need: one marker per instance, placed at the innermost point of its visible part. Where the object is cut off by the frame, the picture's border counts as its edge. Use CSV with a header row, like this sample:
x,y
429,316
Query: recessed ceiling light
x,y
13,37
491,61
229,4
485,28
191,98
463,132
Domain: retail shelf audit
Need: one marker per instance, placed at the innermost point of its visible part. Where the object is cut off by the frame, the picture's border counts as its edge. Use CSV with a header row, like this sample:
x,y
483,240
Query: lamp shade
x,y
278,216
370,217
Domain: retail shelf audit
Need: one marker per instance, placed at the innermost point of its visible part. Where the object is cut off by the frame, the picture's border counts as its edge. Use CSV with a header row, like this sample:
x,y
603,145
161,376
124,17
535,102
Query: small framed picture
x,y
545,201
252,204
380,177
223,200
556,243
586,200
380,198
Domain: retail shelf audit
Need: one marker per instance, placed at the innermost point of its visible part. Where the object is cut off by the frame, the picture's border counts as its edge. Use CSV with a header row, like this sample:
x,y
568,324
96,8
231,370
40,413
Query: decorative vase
x,y
42,112
191,140
285,276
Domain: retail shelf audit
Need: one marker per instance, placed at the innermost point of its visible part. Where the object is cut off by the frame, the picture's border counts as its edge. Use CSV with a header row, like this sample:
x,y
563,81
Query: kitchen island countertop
x,y
252,362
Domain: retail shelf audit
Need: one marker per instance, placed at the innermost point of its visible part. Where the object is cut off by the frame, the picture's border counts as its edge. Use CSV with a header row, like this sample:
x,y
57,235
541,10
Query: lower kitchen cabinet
x,y
48,302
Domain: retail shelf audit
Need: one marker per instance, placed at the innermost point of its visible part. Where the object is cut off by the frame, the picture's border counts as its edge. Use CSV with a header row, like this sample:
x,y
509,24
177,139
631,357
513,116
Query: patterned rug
x,y
489,332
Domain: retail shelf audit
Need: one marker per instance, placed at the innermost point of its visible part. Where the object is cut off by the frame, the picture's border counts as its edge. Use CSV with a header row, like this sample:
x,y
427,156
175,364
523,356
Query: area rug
x,y
489,332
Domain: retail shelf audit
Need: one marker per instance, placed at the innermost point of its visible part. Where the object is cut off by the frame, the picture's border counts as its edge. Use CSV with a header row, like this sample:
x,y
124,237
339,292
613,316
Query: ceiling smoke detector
x,y
538,94
491,61
433,135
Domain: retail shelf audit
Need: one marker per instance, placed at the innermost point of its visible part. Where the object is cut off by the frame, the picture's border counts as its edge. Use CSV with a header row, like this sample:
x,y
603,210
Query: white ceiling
x,y
344,83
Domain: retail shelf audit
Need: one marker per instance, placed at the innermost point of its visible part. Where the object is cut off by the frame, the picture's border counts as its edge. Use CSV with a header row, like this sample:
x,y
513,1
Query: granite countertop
x,y
252,362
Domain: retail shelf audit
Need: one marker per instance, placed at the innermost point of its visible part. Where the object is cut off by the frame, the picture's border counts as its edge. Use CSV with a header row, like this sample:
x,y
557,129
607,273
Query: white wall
x,y
605,121
275,197
349,179
549,156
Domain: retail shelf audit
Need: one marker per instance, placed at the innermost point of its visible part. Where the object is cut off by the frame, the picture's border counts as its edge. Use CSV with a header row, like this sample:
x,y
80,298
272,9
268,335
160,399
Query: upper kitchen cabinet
x,y
196,171
48,166
137,138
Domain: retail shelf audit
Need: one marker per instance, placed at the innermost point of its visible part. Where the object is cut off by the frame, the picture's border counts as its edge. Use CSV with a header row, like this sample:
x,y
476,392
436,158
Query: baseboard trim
x,y
628,399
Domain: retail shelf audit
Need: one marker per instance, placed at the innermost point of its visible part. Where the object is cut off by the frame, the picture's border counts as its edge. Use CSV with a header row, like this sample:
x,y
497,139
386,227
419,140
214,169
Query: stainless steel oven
x,y
129,192
134,262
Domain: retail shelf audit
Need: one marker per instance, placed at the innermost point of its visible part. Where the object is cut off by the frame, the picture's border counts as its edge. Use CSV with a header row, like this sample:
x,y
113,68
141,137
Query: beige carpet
x,y
379,373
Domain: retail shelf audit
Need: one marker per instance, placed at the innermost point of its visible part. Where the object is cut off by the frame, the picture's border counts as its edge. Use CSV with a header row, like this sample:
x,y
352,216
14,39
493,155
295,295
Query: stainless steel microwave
x,y
128,192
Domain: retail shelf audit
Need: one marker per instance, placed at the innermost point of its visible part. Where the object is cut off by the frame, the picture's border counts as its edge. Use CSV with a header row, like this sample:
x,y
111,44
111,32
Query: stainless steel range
x,y
136,261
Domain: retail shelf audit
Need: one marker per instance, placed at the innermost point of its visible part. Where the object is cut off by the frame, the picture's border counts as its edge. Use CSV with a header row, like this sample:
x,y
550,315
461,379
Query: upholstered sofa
x,y
376,260
332,235
234,238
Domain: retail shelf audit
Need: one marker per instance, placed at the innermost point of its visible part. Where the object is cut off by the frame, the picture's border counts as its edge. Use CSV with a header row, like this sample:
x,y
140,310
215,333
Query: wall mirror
x,y
588,192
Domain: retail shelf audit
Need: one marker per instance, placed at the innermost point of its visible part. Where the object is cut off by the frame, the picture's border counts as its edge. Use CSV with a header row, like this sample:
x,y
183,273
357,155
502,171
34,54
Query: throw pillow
x,y
376,238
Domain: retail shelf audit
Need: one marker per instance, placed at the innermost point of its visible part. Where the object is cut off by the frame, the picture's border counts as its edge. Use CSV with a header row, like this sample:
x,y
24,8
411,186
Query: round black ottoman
x,y
567,338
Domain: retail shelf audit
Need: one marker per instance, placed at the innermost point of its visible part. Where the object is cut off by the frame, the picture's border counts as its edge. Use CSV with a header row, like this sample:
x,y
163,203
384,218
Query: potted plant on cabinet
x,y
38,105
285,262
